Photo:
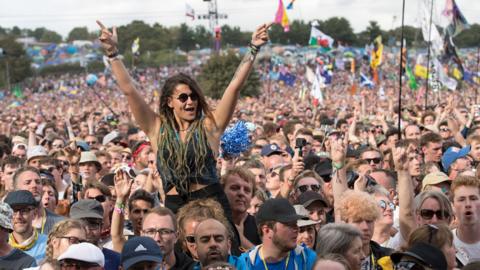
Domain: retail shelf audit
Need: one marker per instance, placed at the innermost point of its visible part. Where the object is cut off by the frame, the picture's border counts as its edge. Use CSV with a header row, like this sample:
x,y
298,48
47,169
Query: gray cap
x,y
6,216
86,209
302,211
20,197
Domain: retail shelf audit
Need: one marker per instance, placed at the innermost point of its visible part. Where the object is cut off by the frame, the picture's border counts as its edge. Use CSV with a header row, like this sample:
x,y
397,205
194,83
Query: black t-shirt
x,y
250,230
182,261
17,259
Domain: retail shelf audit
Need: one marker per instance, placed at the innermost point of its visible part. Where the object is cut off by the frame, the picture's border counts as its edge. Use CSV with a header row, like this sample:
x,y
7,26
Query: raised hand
x,y
108,39
260,36
123,185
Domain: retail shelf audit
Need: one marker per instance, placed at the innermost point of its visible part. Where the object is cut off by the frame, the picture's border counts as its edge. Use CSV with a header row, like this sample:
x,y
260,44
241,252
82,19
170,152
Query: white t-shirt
x,y
465,252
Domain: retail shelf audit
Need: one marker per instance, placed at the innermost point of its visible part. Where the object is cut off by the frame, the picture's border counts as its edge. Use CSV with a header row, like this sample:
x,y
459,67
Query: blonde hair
x,y
358,205
243,173
60,229
463,180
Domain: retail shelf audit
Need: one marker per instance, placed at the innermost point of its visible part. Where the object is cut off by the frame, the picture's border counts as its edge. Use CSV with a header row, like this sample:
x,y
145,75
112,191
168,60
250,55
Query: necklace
x,y
265,263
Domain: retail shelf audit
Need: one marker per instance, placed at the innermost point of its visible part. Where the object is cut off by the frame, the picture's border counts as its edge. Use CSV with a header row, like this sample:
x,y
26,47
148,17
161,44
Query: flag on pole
x,y
136,46
281,17
290,6
318,38
457,21
420,71
430,33
377,52
189,12
17,91
412,82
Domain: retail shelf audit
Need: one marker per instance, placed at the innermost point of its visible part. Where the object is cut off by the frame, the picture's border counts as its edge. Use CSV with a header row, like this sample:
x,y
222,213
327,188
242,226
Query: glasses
x,y
22,211
374,160
75,265
184,97
126,157
161,231
57,145
99,198
304,188
444,129
91,142
139,211
384,204
428,214
190,239
408,266
73,240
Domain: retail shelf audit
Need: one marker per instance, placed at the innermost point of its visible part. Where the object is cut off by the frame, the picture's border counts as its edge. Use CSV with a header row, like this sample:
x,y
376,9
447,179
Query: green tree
x,y
469,37
202,37
78,33
185,38
412,35
51,37
18,62
339,29
234,37
218,72
298,34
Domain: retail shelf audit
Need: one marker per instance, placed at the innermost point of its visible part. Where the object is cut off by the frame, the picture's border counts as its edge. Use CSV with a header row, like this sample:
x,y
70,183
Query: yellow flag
x,y
457,74
420,71
377,52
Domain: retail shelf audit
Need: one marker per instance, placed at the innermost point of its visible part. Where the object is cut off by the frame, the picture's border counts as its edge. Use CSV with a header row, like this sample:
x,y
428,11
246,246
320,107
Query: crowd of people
x,y
123,176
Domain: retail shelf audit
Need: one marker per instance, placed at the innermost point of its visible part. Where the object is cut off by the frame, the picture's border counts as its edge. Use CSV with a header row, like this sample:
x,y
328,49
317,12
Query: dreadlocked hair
x,y
60,229
168,140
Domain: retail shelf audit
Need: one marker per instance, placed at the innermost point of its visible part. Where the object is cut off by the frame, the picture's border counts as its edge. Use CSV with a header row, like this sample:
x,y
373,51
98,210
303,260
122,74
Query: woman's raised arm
x,y
144,115
224,112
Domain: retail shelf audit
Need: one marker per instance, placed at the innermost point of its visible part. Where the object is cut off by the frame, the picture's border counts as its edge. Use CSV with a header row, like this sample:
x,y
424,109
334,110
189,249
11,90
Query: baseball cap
x,y
85,252
140,249
83,145
434,178
6,216
86,209
308,197
300,210
278,209
36,151
20,197
270,149
427,254
452,154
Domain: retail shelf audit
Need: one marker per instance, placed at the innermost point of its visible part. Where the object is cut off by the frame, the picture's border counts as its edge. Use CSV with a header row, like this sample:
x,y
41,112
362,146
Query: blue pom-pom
x,y
235,140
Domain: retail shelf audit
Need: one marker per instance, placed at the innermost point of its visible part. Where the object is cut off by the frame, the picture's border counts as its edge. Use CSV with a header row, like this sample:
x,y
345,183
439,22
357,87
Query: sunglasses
x,y
444,129
374,160
304,188
91,142
383,204
428,214
73,240
184,97
405,265
99,198
190,239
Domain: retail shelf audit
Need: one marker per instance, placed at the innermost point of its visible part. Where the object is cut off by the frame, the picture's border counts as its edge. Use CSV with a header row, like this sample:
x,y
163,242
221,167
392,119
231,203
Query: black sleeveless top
x,y
170,179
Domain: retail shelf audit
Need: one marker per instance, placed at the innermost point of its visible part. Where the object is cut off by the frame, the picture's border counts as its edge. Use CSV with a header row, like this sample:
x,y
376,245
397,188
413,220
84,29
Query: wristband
x,y
120,205
338,166
118,210
112,55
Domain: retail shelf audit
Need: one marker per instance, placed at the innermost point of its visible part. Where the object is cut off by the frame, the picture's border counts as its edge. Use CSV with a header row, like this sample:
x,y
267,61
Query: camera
x,y
353,176
130,172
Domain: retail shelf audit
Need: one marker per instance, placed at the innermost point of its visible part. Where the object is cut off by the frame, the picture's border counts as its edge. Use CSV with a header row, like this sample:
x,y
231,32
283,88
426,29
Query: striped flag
x,y
281,17
189,12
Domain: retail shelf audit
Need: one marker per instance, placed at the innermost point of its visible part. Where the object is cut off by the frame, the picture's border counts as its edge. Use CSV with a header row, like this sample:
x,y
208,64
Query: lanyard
x,y
44,220
372,259
265,264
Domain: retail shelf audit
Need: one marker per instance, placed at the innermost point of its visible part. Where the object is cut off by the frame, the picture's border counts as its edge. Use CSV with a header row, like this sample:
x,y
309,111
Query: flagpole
x,y
400,75
428,53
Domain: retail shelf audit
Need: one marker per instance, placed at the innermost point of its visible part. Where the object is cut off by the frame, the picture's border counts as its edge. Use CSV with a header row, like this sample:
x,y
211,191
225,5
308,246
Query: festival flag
x,y
376,57
17,91
136,46
318,84
448,82
365,81
457,21
281,17
420,71
290,6
318,38
189,12
451,53
412,82
430,33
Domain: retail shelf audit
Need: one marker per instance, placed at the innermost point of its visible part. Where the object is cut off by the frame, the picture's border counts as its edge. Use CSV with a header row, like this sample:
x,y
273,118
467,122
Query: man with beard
x,y
212,239
277,225
28,178
160,224
24,236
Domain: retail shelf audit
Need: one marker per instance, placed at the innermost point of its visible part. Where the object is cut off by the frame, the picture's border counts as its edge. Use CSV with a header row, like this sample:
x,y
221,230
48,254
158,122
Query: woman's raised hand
x,y
260,36
108,39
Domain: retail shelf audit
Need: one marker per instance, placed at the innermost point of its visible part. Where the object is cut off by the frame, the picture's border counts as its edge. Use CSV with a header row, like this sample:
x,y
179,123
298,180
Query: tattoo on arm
x,y
249,57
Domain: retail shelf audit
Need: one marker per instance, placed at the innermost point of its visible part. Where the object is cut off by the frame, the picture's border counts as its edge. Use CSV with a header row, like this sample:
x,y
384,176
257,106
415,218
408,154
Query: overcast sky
x,y
63,15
